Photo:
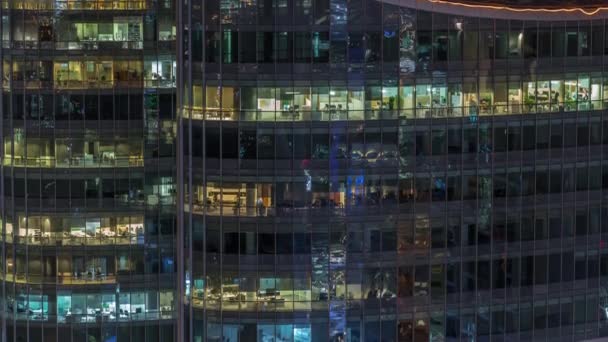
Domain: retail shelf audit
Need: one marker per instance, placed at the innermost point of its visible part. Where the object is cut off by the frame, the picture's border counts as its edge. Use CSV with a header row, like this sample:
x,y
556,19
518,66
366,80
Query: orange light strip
x,y
520,10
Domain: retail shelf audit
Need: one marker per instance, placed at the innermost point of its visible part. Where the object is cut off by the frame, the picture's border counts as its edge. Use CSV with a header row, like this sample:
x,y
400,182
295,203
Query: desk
x,y
108,157
78,234
108,233
290,114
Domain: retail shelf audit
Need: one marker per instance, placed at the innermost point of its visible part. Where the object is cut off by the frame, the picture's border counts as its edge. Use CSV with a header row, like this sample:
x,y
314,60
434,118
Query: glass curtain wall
x,y
369,171
88,179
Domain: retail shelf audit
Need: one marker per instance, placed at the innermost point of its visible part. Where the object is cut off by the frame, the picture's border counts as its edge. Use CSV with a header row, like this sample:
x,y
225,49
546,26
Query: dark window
x,y
212,137
247,52
266,243
231,243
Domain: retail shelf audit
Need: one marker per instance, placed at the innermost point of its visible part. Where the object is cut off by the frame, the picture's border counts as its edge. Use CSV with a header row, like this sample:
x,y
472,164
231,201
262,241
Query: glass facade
x,y
391,171
303,170
88,174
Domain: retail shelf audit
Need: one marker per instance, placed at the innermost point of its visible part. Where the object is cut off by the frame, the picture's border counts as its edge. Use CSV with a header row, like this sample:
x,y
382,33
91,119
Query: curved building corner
x,y
393,170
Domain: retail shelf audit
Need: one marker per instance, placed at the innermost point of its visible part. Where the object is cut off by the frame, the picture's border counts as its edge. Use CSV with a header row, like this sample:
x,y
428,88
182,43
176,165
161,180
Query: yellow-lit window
x,y
128,29
570,93
543,95
90,72
105,32
557,94
30,4
74,4
135,70
120,4
213,98
106,75
62,152
61,74
406,98
45,4
18,71
37,152
228,98
423,96
166,29
486,96
471,103
107,154
25,30
197,94
87,31
267,99
68,74
75,71
121,71
19,150
33,152
7,151
135,152
122,153
596,92
6,73
121,30
105,4
89,4
128,71
160,72
390,98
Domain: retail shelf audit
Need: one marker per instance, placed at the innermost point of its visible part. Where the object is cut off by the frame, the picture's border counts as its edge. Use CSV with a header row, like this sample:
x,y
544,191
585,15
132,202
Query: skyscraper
x,y
391,170
88,224
303,170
